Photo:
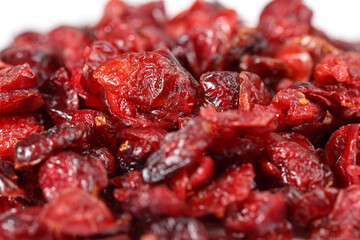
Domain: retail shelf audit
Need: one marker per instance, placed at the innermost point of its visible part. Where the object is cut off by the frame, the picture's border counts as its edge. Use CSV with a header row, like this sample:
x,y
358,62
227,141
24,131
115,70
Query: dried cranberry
x,y
221,89
60,96
17,77
178,150
71,170
137,145
176,228
75,212
289,19
341,153
298,165
313,205
102,155
23,224
105,129
37,147
241,121
8,180
234,184
71,42
155,87
258,215
20,101
14,129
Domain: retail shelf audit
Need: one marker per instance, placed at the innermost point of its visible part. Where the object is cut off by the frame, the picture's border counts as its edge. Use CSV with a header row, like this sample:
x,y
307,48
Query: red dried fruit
x,y
8,203
178,150
227,149
251,91
317,47
75,212
298,165
102,155
126,184
17,77
221,89
20,101
95,55
43,60
118,100
341,152
345,214
105,129
37,147
137,145
154,86
270,70
298,60
192,178
14,129
176,228
205,15
290,19
153,200
313,205
60,96
23,224
342,67
71,43
196,50
295,108
71,170
8,180
144,200
260,214
234,184
241,121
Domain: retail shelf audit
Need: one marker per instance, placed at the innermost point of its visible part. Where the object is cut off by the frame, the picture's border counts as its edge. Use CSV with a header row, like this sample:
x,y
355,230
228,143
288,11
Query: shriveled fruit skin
x,y
38,147
8,180
341,154
137,145
258,215
102,155
17,77
180,228
313,205
23,224
143,200
252,91
75,212
60,96
234,184
299,166
106,130
71,170
178,150
344,217
242,121
20,101
290,19
157,88
14,129
221,89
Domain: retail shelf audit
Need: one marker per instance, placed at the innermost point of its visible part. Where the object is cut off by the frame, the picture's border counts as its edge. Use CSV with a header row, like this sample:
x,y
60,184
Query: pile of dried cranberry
x,y
195,127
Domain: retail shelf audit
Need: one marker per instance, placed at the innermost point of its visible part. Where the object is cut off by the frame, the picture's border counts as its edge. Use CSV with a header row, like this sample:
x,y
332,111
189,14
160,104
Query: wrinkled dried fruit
x,y
14,129
176,228
178,150
38,147
75,212
234,184
71,170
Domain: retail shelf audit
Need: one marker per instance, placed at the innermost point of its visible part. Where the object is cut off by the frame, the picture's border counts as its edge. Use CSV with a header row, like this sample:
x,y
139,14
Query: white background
x,y
339,18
